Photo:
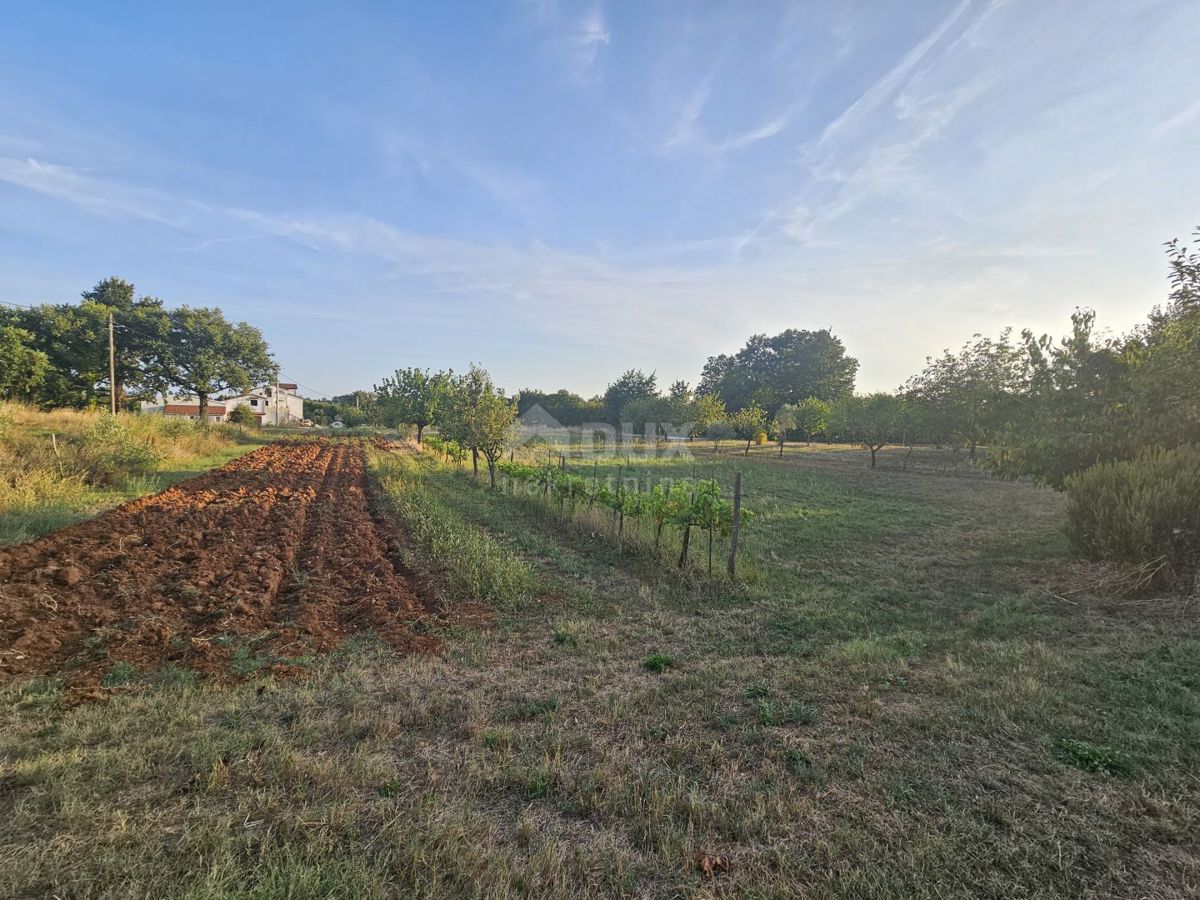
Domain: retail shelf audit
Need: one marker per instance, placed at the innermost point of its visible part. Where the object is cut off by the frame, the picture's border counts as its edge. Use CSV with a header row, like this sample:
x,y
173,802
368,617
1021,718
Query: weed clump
x,y
1093,757
658,662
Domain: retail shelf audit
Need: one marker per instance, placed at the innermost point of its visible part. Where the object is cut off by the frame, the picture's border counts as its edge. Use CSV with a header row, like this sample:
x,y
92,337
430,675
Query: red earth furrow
x,y
279,544
337,570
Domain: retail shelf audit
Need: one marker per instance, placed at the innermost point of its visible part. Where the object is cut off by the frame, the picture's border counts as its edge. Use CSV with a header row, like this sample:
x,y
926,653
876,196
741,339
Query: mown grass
x,y
896,704
60,467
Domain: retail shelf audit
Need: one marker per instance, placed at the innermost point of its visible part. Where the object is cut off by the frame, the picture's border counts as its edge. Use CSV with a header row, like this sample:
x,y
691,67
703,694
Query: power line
x,y
307,387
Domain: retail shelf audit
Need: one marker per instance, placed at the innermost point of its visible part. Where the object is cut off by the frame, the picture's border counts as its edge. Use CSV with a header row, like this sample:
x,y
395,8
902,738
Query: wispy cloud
x,y
210,242
76,186
1184,117
513,191
689,132
884,86
575,38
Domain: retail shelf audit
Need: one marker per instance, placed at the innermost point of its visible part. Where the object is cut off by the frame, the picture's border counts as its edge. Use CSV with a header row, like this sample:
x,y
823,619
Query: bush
x,y
242,415
1139,510
110,453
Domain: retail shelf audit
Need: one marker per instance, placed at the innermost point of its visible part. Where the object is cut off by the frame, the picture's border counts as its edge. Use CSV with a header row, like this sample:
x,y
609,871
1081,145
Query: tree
x,y
204,354
74,338
479,416
786,368
650,415
968,395
634,384
22,368
874,421
566,408
413,397
719,430
704,410
242,415
784,421
1074,409
140,329
361,406
748,422
811,417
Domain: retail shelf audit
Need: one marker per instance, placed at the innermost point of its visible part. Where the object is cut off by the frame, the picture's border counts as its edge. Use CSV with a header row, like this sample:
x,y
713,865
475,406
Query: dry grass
x,y
60,466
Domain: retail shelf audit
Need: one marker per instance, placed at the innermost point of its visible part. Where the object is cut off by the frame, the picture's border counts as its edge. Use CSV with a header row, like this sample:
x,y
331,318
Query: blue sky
x,y
561,191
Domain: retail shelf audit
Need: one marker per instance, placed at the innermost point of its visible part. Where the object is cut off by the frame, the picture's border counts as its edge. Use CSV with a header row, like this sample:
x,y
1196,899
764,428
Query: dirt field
x,y
254,565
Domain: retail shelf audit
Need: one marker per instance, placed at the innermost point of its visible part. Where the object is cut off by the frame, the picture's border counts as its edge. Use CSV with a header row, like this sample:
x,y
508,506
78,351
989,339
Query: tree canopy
x,y
155,349
634,384
413,397
203,353
786,368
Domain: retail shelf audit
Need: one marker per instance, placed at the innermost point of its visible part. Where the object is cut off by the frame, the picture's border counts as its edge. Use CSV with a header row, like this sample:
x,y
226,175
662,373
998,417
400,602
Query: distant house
x,y
184,408
270,407
285,407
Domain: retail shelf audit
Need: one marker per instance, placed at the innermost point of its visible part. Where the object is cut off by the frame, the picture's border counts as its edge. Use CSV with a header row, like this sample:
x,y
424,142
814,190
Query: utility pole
x,y
112,369
276,399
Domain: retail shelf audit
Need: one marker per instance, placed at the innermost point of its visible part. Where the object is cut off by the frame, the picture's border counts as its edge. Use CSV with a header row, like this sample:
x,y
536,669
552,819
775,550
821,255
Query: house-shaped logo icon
x,y
536,423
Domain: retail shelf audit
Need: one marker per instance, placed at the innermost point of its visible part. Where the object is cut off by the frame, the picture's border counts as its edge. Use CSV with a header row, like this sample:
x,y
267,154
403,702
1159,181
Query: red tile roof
x,y
192,409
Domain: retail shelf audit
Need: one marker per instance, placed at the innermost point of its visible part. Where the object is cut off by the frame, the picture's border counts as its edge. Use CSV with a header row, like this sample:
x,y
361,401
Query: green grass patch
x,y
1093,757
658,662
478,567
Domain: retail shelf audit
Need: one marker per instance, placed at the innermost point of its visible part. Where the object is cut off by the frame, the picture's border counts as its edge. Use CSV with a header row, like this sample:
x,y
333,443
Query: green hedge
x,y
1139,510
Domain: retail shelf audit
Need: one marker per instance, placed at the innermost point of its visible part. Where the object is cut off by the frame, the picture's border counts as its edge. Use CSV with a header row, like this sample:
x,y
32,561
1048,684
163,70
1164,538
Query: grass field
x,y
63,466
913,691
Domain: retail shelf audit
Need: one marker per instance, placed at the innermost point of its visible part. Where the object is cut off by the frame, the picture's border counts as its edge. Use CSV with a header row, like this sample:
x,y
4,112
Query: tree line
x,y
1040,407
1112,419
57,355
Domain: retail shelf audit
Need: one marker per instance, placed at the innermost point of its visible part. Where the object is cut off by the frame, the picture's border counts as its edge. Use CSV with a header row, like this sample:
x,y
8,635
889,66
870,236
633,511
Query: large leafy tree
x,y
811,417
633,384
203,354
968,396
786,368
567,408
74,338
748,422
414,397
704,410
23,368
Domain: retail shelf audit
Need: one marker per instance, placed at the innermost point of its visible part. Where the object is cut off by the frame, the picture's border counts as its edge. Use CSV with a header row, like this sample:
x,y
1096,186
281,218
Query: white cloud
x,y
75,186
1184,117
890,81
575,39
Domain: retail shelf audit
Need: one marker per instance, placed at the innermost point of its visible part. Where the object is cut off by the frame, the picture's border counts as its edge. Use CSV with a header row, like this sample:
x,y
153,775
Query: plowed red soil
x,y
272,557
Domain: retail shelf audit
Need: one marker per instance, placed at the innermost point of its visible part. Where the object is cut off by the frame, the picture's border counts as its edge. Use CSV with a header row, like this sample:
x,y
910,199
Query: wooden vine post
x,y
736,525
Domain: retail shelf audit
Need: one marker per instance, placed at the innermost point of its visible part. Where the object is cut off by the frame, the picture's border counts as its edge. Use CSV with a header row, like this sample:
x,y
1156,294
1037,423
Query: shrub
x,y
110,453
242,415
1139,510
